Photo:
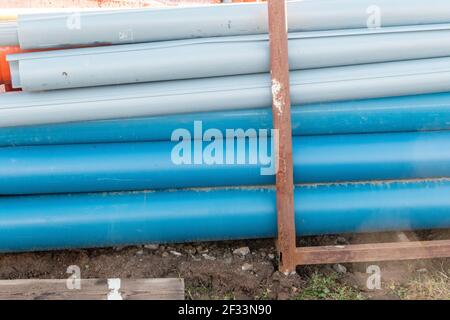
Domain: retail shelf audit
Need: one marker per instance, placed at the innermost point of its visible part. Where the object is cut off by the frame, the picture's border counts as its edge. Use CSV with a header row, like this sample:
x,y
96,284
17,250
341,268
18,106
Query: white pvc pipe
x,y
224,93
221,56
8,34
133,26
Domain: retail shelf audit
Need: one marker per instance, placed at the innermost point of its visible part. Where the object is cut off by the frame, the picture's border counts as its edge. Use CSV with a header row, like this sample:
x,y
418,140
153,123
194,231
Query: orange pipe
x,y
5,73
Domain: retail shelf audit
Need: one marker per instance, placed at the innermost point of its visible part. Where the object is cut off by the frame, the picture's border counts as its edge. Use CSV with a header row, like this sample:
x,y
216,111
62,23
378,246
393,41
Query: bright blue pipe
x,y
410,113
148,165
98,220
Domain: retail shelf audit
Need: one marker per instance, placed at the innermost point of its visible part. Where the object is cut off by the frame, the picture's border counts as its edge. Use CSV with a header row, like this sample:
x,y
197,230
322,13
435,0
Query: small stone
x,y
276,276
423,270
190,249
165,254
208,257
247,267
242,251
151,246
140,252
339,268
195,258
402,237
175,253
263,254
341,240
228,260
118,248
271,256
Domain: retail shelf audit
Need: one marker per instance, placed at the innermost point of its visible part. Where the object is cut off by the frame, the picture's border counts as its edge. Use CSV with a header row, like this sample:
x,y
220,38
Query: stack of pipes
x,y
154,125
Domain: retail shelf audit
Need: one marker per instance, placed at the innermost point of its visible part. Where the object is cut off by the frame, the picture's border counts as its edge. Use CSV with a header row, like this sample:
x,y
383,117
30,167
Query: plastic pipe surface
x,y
224,93
222,56
8,34
99,220
398,114
189,163
5,71
133,26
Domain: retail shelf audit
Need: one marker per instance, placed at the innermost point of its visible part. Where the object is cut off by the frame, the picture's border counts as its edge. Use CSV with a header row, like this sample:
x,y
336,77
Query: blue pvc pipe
x,y
98,220
149,165
409,113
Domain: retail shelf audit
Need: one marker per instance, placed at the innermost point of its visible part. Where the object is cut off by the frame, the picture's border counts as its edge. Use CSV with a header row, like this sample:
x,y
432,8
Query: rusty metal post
x,y
281,109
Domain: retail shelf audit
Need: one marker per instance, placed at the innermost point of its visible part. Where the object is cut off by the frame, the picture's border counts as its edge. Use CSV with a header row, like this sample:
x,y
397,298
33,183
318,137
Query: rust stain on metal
x,y
281,109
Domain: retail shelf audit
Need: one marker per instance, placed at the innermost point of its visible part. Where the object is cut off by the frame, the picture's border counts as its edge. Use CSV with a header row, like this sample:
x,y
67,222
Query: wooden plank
x,y
373,252
281,110
91,289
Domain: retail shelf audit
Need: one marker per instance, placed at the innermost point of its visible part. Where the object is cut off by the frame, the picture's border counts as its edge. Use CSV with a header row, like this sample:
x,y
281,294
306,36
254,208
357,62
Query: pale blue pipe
x,y
63,29
408,113
152,165
323,85
100,220
221,56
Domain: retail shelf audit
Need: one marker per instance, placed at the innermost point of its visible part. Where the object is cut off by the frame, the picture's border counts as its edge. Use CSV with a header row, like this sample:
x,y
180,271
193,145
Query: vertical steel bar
x,y
281,109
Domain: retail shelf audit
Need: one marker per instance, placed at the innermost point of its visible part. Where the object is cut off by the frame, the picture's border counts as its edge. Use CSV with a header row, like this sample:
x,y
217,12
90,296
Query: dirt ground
x,y
214,271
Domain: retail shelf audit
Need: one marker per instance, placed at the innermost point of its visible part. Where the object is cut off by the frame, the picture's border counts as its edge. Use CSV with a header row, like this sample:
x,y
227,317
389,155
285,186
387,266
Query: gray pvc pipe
x,y
133,26
224,93
221,56
8,34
